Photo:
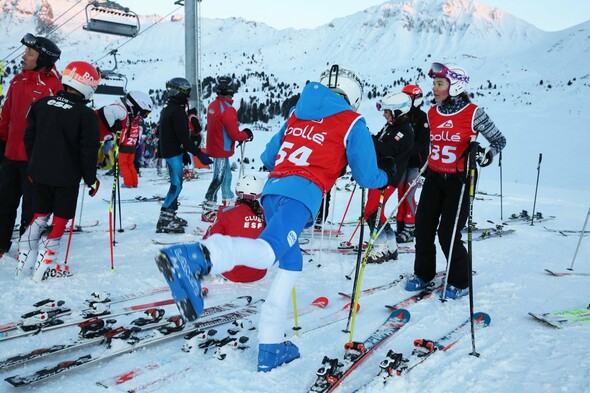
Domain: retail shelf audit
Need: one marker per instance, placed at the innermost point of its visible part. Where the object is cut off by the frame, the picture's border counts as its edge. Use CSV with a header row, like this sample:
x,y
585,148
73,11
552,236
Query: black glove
x,y
186,158
117,126
250,134
387,164
484,157
93,188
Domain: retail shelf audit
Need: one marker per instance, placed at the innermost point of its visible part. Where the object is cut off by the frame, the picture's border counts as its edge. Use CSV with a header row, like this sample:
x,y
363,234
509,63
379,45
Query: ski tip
x,y
482,318
401,314
321,302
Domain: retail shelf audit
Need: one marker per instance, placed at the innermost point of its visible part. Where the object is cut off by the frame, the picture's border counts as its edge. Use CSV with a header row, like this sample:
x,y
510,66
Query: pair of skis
x,y
132,340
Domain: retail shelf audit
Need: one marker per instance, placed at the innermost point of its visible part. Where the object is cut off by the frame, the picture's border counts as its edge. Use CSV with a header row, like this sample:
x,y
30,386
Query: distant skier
x,y
303,167
62,141
406,213
174,142
222,134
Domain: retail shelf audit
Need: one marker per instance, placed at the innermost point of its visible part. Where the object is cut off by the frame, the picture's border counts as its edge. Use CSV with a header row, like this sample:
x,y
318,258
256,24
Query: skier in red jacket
x,y
244,219
39,78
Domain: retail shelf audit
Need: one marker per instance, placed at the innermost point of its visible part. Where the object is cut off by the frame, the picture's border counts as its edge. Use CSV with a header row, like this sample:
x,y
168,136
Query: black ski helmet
x,y
49,53
225,86
179,89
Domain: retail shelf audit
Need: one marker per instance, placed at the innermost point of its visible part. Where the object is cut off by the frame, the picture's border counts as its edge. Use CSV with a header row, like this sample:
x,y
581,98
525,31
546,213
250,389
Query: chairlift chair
x,y
110,18
112,82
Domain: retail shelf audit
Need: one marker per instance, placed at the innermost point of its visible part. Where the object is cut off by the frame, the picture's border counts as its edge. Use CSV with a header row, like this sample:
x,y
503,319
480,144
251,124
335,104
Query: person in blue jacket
x,y
322,135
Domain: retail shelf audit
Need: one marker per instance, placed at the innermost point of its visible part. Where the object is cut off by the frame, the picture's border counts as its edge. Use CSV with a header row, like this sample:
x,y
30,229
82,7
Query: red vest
x,y
449,138
315,150
239,221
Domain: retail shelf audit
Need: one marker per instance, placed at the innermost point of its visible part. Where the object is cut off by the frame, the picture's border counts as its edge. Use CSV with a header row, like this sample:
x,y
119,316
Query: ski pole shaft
x,y
296,327
81,208
347,206
536,187
357,265
357,285
472,174
69,242
501,193
580,240
119,196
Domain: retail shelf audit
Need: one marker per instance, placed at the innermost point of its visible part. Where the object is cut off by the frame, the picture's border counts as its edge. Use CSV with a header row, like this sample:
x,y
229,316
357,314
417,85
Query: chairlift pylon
x,y
110,18
112,82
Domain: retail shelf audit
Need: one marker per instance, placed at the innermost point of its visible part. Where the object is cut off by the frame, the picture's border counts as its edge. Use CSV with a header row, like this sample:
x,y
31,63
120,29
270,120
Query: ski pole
x,y
580,240
472,174
294,296
359,251
242,148
412,185
452,245
66,267
501,194
79,228
536,187
347,206
119,195
357,285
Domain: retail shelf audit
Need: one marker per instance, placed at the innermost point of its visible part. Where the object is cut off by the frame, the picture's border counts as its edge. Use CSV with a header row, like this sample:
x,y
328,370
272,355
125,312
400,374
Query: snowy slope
x,y
515,350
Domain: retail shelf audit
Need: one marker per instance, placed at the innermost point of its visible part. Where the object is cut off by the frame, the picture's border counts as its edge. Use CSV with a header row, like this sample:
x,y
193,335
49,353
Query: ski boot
x,y
167,223
183,266
271,356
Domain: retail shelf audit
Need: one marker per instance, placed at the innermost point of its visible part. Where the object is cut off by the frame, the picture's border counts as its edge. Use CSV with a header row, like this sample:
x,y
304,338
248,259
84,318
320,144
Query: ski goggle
x,y
439,70
391,107
29,40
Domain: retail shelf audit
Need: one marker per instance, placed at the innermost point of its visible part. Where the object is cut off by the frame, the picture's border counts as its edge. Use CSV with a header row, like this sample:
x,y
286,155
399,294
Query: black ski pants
x,y
14,183
437,210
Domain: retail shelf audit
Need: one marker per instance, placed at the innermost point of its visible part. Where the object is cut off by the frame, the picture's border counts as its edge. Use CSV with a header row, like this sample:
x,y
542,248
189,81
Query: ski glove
x,y
387,164
484,157
250,134
94,188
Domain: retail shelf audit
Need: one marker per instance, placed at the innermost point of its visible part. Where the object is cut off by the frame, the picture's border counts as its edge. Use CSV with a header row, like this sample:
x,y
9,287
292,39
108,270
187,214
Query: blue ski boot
x,y
453,292
415,283
274,355
183,266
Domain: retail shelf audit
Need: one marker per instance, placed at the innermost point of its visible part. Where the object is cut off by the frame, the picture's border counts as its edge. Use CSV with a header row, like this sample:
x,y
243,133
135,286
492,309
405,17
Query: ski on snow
x,y
568,232
130,341
105,325
563,318
563,274
333,371
395,364
202,340
401,249
52,308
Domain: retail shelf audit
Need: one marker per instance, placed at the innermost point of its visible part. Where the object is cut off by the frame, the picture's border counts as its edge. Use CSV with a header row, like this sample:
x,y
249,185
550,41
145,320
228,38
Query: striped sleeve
x,y
484,125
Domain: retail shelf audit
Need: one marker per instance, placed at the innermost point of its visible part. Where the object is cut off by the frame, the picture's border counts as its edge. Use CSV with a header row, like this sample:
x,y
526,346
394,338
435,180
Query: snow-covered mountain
x,y
514,67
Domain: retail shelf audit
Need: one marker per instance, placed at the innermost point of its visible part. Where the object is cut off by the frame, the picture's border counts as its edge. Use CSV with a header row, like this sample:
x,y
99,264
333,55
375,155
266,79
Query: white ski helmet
x,y
82,77
457,76
398,103
249,187
140,103
344,82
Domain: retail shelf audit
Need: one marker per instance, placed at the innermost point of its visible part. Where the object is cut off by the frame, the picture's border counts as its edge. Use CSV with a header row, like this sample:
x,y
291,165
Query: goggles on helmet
x,y
439,70
31,41
388,107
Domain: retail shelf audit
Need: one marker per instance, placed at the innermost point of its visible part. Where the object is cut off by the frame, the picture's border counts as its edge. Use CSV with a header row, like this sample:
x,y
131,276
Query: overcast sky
x,y
548,15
